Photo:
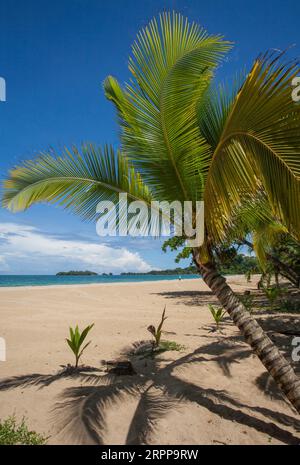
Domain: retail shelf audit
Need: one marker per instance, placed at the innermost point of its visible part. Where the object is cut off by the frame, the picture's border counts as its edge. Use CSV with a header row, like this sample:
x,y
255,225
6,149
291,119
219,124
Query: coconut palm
x,y
185,138
275,249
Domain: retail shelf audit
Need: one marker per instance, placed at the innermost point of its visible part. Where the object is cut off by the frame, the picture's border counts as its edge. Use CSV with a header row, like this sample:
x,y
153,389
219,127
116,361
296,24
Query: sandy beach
x,y
213,391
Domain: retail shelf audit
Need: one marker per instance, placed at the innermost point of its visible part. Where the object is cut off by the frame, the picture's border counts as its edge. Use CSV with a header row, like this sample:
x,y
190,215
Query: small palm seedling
x,y
217,313
248,276
156,345
76,340
156,333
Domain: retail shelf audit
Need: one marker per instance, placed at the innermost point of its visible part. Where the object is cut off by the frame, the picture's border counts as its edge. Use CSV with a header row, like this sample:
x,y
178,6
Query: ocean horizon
x,y
53,280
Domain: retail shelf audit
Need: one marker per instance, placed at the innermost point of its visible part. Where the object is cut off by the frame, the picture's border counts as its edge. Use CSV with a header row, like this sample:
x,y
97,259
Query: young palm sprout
x,y
76,340
156,333
217,313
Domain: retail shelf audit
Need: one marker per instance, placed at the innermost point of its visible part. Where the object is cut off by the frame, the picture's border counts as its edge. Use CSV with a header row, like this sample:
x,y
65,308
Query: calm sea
x,y
43,280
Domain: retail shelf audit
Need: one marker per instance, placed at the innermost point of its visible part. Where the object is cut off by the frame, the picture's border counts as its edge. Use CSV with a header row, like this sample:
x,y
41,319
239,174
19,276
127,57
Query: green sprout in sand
x,y
76,340
217,314
157,332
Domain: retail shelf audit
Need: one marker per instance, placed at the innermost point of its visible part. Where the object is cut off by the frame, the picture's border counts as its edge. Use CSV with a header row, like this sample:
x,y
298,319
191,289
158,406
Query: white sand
x,y
206,394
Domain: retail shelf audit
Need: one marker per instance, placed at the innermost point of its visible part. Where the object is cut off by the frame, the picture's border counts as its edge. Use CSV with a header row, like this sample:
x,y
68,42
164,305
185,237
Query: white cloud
x,y
2,262
26,244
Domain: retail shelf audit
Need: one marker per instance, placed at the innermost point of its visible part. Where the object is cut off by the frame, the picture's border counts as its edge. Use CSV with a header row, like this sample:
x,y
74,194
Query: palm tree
x,y
185,138
275,249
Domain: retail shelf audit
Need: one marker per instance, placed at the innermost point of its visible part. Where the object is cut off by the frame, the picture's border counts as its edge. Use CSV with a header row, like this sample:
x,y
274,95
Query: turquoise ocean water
x,y
43,280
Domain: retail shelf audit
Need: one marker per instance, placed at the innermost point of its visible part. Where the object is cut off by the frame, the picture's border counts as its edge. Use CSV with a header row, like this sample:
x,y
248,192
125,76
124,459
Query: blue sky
x,y
54,57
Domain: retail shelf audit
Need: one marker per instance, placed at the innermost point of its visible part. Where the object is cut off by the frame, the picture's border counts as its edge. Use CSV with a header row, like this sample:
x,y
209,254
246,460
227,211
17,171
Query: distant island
x,y
174,271
76,273
240,264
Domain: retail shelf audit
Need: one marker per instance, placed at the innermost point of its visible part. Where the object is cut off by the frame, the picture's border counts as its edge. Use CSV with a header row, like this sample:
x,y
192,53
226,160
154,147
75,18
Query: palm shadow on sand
x,y
203,298
190,298
159,391
44,380
80,411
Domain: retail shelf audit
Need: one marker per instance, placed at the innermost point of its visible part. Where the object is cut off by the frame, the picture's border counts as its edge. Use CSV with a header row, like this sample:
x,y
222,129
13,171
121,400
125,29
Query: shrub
x,y
12,433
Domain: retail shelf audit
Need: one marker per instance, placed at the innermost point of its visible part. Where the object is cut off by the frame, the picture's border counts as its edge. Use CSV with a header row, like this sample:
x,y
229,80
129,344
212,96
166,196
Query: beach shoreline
x,y
218,378
124,283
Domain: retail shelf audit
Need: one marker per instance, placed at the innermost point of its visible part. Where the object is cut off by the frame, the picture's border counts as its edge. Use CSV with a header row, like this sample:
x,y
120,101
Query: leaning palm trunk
x,y
278,367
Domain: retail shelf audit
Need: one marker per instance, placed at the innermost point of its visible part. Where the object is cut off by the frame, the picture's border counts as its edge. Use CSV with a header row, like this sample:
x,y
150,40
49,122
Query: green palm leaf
x,y
254,213
172,64
259,144
264,238
77,180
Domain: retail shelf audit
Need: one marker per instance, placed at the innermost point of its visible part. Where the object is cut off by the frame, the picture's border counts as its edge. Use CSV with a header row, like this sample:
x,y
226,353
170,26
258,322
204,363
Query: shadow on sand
x,y
80,411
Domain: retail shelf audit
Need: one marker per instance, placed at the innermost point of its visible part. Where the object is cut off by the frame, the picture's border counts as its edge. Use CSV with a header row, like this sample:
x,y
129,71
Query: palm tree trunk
x,y
278,367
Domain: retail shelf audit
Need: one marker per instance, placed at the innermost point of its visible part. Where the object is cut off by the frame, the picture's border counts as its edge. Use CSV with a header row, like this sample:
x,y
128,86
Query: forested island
x,y
76,273
174,271
240,264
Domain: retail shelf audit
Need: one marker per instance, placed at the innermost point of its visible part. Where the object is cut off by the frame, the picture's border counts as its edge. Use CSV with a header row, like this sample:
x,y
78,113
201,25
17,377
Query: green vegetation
x,y
164,346
277,251
240,264
157,345
144,349
76,340
157,332
12,433
172,272
248,300
217,313
76,273
290,306
272,293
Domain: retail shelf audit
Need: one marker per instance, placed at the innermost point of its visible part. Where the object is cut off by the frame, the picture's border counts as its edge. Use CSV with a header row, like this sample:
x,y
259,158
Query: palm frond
x,y
258,146
251,215
172,64
213,109
264,238
77,180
